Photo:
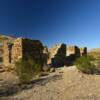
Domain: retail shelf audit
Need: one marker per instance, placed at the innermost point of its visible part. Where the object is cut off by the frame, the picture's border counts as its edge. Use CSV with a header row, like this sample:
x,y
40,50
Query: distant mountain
x,y
95,50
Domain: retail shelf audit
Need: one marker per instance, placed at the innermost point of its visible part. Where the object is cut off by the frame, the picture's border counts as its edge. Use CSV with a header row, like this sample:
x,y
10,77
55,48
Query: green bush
x,y
85,64
97,64
26,70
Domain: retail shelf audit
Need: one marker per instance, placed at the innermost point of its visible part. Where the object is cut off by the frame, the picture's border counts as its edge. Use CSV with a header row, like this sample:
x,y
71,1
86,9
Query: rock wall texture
x,y
83,51
57,51
7,52
62,54
33,49
58,55
25,49
17,50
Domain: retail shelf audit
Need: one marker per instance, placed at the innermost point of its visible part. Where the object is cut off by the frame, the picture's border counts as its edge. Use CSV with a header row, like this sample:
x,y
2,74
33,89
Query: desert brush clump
x,y
27,69
86,64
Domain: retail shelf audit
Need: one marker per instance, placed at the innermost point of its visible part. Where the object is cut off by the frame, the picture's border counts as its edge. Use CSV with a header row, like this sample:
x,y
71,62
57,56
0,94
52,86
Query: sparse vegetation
x,y
26,70
85,64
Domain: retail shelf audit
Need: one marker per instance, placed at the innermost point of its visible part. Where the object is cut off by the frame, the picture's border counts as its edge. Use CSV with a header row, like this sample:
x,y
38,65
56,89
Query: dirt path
x,y
64,84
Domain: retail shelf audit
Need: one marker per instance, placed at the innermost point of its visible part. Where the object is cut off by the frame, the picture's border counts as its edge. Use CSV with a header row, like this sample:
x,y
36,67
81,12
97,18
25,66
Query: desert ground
x,y
66,83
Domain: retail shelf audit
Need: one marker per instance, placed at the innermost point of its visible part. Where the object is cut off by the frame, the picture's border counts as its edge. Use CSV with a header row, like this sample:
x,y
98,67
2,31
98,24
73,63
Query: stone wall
x,y
7,52
17,49
58,55
55,52
72,50
64,55
25,49
33,49
83,51
59,58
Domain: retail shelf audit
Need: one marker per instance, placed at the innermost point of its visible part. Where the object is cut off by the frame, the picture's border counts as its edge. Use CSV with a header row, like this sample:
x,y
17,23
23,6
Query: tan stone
x,y
83,51
22,48
60,54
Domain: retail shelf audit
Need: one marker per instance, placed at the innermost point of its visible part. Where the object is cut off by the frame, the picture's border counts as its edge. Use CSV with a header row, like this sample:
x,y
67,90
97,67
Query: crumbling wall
x,y
60,56
25,49
17,49
73,52
63,55
6,47
83,51
7,53
52,52
57,55
46,55
33,49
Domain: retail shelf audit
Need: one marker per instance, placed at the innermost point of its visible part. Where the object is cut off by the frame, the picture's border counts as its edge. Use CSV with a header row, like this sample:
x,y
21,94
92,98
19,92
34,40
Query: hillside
x,y
95,52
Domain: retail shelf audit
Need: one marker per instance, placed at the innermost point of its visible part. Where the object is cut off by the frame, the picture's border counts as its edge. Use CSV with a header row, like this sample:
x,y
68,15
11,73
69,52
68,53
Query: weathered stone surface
x,y
83,51
25,49
59,55
17,50
64,55
7,52
73,50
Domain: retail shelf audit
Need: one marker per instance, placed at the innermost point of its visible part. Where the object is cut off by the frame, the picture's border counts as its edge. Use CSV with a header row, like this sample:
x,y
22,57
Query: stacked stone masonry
x,y
58,55
62,54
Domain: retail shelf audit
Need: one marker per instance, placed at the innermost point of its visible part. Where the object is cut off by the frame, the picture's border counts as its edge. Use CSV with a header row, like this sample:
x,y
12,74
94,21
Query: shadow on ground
x,y
10,89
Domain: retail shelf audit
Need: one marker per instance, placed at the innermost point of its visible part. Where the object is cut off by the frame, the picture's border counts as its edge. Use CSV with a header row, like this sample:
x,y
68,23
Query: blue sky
x,y
53,21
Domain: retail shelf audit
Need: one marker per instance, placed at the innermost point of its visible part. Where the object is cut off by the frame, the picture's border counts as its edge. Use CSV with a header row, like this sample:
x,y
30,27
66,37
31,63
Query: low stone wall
x,y
60,56
64,55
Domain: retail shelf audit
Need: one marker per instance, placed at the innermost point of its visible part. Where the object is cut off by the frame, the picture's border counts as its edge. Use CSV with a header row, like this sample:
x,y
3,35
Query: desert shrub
x,y
97,64
85,64
26,70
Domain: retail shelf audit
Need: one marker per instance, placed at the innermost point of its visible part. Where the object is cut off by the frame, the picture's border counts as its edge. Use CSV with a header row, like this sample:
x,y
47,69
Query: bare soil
x,y
67,83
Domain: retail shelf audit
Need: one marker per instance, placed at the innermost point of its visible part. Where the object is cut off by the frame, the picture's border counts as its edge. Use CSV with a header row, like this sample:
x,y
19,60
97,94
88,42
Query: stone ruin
x,y
61,54
83,51
24,49
58,55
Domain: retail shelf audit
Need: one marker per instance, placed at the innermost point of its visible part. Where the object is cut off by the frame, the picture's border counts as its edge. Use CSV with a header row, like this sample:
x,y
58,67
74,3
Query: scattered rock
x,y
52,69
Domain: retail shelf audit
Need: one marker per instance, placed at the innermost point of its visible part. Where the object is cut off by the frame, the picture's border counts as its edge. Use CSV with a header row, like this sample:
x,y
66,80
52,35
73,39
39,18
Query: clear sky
x,y
53,21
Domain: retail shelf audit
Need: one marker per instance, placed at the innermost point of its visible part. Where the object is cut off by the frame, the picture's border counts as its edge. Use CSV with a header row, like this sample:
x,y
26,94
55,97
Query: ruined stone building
x,y
22,48
61,54
57,55
12,49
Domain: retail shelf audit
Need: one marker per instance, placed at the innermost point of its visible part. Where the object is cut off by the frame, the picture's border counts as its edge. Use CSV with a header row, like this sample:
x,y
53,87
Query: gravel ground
x,y
64,84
